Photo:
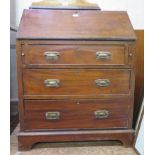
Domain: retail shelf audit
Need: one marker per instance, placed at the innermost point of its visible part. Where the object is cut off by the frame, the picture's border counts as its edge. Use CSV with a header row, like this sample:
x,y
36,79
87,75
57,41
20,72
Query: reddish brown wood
x,y
28,139
80,38
80,54
28,60
76,114
90,25
139,74
20,84
76,82
75,42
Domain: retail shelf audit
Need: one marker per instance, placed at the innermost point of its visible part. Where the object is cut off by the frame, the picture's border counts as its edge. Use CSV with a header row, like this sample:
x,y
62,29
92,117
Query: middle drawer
x,y
71,82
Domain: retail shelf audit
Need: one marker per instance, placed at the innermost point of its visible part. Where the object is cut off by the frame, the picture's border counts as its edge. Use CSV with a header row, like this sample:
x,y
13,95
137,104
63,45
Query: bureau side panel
x,y
20,83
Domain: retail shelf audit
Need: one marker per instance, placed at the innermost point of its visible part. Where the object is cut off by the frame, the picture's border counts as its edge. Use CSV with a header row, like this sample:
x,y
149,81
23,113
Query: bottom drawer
x,y
71,114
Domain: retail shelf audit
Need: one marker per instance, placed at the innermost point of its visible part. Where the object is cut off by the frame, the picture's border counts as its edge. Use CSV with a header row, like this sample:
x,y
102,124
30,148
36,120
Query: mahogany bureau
x,y
75,76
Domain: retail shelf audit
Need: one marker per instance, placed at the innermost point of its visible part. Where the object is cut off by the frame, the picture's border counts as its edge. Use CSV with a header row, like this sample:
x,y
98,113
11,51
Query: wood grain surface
x,y
76,114
75,34
139,74
76,55
116,25
79,82
71,4
27,139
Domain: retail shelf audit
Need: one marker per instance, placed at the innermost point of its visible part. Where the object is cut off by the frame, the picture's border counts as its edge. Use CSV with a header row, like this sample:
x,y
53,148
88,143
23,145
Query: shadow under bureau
x,y
75,76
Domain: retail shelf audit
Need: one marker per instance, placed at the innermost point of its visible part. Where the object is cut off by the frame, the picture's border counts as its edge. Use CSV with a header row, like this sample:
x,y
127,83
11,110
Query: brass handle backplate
x,y
103,55
102,82
99,114
52,83
52,115
51,55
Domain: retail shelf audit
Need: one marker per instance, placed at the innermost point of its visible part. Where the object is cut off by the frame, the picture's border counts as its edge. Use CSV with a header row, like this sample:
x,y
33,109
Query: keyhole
x,y
130,54
78,102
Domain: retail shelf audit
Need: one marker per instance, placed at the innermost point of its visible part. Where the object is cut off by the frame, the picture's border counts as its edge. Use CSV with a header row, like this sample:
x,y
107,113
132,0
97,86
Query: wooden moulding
x,y
57,4
26,140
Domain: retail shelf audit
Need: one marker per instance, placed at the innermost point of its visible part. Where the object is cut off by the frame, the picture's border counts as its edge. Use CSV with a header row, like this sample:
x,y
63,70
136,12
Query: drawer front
x,y
46,114
76,55
70,82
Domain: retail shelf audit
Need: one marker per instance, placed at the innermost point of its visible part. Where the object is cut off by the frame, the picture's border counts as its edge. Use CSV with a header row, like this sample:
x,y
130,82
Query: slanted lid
x,y
78,25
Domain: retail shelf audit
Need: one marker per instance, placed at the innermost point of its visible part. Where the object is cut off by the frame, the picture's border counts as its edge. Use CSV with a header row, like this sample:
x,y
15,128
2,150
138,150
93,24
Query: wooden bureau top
x,y
63,24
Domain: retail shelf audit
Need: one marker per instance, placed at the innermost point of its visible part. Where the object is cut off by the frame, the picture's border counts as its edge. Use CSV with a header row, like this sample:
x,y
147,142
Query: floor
x,y
84,148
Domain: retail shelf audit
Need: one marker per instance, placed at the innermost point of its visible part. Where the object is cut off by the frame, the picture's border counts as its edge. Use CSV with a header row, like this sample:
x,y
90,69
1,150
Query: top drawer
x,y
75,55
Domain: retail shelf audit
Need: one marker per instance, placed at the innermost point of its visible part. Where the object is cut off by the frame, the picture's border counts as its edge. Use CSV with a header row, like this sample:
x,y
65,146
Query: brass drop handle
x,y
99,114
103,55
55,115
102,82
52,83
51,55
